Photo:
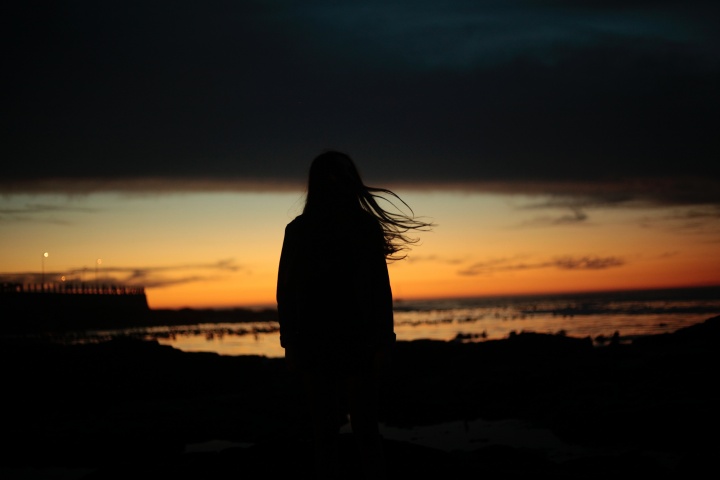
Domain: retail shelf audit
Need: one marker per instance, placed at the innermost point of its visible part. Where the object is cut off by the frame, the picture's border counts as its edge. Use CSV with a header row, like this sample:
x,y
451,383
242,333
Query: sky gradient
x,y
558,145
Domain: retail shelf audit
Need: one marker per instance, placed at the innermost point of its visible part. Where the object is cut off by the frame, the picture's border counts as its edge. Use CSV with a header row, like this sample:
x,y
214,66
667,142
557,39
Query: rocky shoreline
x,y
126,406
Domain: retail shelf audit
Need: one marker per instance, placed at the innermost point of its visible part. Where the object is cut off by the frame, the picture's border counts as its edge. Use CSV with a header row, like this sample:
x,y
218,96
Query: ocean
x,y
600,316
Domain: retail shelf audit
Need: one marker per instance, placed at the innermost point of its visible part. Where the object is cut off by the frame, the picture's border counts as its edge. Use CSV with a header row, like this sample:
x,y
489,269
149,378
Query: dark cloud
x,y
149,277
39,212
581,94
31,208
696,220
587,263
434,259
576,216
568,262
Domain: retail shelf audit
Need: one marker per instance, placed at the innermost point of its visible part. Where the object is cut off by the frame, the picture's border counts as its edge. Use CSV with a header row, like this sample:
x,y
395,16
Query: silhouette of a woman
x,y
335,303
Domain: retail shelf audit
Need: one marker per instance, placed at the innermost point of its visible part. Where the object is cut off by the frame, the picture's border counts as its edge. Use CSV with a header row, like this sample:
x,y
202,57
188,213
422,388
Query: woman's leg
x,y
322,397
363,399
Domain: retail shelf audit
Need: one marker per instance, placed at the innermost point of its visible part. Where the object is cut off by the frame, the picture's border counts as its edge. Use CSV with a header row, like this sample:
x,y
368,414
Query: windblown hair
x,y
336,187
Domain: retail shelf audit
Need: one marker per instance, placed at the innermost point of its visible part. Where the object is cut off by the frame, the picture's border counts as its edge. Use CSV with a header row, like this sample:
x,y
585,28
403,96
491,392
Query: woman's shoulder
x,y
294,226
297,221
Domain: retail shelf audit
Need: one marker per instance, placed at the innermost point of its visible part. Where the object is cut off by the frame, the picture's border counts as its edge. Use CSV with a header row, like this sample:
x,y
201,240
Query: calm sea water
x,y
598,316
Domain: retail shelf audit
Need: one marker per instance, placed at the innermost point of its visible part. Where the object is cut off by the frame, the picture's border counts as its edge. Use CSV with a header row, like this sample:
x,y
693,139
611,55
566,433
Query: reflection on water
x,y
598,327
598,316
260,338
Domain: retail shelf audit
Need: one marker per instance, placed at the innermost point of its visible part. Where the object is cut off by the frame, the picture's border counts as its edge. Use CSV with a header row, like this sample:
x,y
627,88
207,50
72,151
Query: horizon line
x,y
265,306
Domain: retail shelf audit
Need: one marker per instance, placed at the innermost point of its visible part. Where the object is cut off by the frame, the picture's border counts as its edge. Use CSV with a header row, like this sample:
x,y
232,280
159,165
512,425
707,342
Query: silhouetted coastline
x,y
190,316
60,307
65,308
125,406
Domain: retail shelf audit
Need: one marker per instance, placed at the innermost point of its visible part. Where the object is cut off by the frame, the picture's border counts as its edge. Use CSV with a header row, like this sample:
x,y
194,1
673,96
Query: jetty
x,y
67,306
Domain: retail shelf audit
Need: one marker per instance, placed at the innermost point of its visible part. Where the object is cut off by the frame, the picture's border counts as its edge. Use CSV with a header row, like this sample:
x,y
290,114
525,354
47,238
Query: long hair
x,y
335,186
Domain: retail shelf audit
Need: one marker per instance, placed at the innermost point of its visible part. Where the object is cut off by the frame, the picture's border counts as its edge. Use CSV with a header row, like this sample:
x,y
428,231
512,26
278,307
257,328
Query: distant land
x,y
190,316
57,308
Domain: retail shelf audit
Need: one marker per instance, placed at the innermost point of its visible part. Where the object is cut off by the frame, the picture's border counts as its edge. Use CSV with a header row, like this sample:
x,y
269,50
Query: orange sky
x,y
558,147
203,250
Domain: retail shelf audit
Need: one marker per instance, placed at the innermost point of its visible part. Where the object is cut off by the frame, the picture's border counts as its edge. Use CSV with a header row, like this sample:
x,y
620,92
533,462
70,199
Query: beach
x,y
530,404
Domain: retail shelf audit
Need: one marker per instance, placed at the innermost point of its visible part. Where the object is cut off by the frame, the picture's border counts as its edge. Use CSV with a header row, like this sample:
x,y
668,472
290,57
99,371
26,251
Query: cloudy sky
x,y
557,144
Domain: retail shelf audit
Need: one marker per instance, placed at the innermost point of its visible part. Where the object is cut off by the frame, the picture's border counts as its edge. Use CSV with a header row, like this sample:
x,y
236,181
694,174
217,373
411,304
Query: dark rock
x,y
115,405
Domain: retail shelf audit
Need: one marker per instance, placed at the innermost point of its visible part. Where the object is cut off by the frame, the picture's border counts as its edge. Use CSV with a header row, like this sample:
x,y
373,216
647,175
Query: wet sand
x,y
528,405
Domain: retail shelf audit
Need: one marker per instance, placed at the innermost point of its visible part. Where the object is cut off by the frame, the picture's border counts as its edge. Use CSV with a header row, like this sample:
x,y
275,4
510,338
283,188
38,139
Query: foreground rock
x,y
113,408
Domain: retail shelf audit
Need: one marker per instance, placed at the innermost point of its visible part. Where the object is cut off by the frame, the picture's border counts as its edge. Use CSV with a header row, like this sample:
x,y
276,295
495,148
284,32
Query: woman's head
x,y
336,188
333,182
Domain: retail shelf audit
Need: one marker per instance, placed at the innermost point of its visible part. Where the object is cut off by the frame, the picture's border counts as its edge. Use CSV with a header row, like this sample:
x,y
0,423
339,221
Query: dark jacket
x,y
333,288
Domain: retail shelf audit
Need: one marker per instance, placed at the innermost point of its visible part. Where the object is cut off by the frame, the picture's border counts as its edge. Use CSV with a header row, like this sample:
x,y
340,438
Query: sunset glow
x,y
220,250
558,147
